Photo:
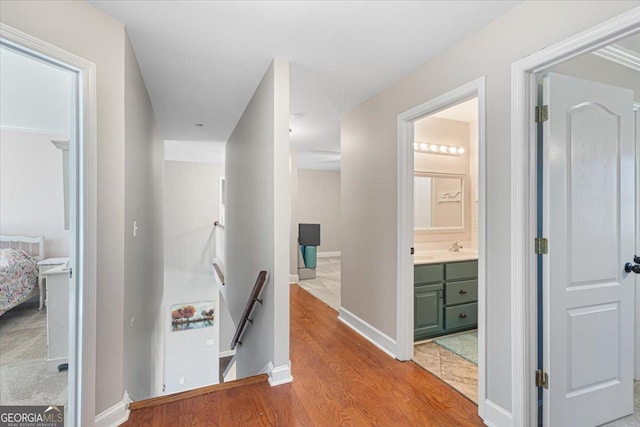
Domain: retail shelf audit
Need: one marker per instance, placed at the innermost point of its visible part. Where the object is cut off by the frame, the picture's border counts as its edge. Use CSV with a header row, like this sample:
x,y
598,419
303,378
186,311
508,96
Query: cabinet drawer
x,y
428,273
460,316
461,270
461,292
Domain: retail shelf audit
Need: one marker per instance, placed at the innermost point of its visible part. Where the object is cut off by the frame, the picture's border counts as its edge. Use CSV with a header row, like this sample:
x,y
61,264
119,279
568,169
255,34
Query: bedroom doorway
x,y
48,228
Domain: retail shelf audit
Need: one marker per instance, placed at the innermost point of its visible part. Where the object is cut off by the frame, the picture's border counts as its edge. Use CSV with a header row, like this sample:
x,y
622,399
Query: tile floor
x,y
459,373
326,285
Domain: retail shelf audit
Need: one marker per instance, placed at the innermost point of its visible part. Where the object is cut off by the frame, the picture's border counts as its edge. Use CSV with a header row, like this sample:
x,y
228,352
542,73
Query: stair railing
x,y
253,298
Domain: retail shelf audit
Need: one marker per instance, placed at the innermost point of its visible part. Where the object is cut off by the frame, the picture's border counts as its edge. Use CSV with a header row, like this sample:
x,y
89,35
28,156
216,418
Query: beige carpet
x,y
631,420
326,285
24,379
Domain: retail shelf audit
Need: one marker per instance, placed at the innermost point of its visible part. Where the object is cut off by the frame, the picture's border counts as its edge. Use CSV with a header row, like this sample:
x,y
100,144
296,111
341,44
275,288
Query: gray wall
x,y
318,202
83,30
369,218
143,255
191,206
258,220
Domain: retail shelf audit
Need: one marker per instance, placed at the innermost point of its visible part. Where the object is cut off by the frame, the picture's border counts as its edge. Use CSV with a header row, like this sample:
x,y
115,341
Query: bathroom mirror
x,y
438,201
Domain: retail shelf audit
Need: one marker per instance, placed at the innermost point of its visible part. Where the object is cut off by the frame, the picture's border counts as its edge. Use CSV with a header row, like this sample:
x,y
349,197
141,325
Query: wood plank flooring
x,y
340,379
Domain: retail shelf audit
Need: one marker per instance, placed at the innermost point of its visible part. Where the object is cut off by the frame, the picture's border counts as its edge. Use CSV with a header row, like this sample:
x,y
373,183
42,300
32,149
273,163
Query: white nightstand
x,y
46,265
57,316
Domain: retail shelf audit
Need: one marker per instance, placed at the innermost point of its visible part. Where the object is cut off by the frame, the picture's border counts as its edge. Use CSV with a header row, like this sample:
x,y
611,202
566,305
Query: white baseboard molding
x,y
116,415
226,353
496,416
377,338
329,254
293,278
278,375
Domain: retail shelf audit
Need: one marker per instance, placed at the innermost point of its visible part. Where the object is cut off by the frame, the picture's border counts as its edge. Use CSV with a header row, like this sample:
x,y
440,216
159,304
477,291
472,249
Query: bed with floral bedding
x,y
18,277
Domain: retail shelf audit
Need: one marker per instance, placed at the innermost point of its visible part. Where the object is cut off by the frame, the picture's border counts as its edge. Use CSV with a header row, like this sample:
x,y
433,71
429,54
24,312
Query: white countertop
x,y
443,255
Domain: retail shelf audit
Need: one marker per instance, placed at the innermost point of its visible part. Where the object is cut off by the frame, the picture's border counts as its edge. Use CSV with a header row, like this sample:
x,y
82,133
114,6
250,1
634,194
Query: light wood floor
x,y
340,379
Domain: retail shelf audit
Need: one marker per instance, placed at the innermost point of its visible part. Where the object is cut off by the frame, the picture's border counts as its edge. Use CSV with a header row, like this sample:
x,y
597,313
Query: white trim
x,y
329,254
405,231
294,278
373,335
496,415
82,359
115,415
226,353
637,323
278,375
523,203
620,55
636,106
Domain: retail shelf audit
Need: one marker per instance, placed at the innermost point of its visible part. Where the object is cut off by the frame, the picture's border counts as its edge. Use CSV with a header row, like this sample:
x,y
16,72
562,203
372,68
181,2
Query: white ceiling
x,y
35,96
202,60
631,43
464,112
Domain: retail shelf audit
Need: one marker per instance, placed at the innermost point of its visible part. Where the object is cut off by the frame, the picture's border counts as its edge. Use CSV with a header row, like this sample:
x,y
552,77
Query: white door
x,y
588,217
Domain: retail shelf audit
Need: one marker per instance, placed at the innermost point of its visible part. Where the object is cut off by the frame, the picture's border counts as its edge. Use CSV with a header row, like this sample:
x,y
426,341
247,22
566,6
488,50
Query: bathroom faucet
x,y
455,246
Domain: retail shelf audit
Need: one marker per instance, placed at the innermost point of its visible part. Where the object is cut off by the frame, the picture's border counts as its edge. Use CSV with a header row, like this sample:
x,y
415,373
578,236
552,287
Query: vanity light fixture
x,y
449,150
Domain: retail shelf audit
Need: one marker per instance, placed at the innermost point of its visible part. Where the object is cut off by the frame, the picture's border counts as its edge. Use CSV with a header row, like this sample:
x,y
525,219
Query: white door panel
x,y
588,217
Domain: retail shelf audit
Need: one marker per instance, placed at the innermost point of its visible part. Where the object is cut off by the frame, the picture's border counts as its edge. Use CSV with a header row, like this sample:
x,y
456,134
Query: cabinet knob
x,y
463,291
463,315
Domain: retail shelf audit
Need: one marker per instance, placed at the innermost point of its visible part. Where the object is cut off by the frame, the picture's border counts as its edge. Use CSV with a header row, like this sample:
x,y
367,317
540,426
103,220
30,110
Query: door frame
x,y
636,107
523,199
405,231
81,395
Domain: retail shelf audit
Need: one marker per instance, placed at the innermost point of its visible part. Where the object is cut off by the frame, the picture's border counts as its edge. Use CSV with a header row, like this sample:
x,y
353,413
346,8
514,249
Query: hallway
x,y
339,379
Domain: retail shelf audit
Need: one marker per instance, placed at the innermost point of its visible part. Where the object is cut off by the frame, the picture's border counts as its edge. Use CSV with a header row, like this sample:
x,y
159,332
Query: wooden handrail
x,y
253,298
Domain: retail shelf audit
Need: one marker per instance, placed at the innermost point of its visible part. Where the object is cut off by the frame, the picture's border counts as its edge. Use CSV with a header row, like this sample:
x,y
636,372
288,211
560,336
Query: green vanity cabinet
x,y
428,310
445,298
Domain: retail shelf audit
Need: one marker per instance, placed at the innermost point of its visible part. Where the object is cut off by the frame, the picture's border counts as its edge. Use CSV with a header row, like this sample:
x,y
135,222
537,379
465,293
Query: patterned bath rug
x,y
464,345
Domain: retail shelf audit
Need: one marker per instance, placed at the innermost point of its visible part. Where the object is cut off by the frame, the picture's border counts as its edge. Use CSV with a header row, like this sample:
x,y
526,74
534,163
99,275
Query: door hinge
x,y
541,246
542,113
70,273
413,251
542,379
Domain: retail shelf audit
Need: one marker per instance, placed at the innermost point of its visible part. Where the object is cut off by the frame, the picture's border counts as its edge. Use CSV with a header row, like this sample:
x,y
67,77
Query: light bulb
x,y
433,147
423,146
460,150
452,150
443,148
416,146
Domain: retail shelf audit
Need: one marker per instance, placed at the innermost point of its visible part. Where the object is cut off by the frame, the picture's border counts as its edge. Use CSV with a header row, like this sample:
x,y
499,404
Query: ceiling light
x,y
449,150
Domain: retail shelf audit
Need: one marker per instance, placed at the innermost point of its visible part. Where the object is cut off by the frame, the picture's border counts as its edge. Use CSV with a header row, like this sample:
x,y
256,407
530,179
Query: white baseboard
x,y
278,375
329,254
376,337
116,415
294,278
496,416
226,353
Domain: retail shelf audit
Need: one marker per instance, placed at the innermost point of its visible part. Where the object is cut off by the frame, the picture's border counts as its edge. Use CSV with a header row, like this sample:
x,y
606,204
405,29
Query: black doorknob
x,y
628,267
636,259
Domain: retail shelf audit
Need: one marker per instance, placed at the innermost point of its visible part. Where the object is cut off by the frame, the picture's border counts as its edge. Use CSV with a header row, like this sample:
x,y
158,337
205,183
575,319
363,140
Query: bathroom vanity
x,y
445,293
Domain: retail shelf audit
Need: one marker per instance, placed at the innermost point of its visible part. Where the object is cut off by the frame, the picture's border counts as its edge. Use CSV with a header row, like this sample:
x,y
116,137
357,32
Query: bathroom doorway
x,y
446,246
441,238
